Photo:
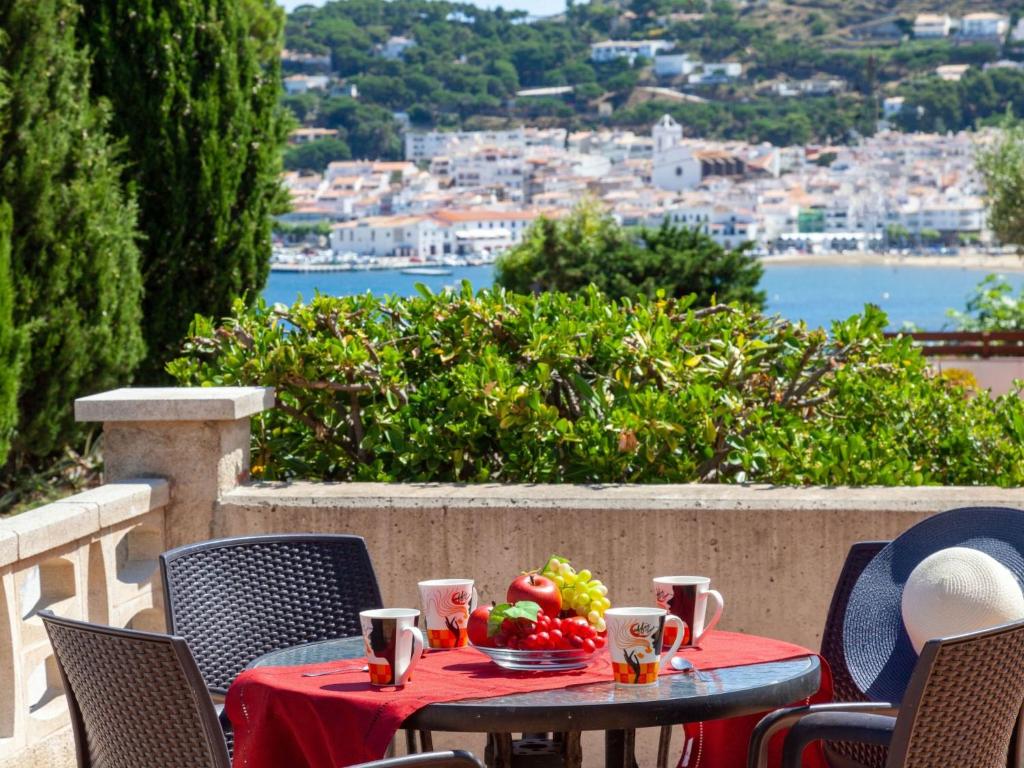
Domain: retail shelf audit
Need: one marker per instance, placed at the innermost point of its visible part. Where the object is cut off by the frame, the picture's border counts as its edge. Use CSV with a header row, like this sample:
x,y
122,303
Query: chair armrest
x,y
455,759
835,726
780,719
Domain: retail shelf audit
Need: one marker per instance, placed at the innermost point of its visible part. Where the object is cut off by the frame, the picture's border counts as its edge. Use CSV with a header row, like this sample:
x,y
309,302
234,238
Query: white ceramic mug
x,y
687,597
447,604
393,644
634,643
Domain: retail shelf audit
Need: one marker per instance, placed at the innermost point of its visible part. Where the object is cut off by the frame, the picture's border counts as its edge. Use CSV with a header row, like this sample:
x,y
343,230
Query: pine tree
x,y
73,257
194,86
10,340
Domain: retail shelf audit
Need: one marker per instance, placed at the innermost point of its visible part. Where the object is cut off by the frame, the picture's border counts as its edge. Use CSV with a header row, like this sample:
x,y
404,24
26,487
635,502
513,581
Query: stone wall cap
x,y
174,404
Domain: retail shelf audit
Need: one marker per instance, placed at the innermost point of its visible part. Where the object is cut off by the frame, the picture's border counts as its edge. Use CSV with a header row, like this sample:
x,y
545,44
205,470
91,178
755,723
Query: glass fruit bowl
x,y
538,661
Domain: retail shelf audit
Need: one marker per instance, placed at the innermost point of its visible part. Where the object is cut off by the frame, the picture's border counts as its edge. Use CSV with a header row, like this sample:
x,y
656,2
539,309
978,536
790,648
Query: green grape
x,y
600,588
559,581
581,601
593,617
584,575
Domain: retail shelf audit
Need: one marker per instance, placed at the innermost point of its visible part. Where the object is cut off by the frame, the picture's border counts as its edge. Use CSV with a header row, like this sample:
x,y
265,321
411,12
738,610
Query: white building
x,y
307,135
932,25
984,25
609,50
892,106
396,47
303,83
432,236
307,60
673,64
951,73
714,73
425,145
674,165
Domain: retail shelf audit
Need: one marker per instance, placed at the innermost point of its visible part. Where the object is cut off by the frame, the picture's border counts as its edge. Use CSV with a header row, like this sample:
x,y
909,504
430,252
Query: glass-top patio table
x,y
679,698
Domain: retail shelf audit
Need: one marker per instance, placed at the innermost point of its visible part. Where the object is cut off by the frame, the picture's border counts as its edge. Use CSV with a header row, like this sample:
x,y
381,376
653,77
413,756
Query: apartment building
x,y
610,50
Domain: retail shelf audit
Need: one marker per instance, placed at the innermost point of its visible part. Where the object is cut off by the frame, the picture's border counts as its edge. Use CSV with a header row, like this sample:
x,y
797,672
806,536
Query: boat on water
x,y
427,271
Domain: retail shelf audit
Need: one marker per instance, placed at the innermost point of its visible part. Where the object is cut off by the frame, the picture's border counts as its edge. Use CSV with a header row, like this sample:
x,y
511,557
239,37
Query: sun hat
x,y
958,590
879,653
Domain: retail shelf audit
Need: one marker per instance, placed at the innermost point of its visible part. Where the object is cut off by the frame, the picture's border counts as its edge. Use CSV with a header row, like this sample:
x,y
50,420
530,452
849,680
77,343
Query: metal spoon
x,y
335,671
681,664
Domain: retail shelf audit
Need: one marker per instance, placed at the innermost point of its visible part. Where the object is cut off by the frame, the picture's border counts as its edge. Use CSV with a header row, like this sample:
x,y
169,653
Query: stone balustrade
x,y
774,552
91,556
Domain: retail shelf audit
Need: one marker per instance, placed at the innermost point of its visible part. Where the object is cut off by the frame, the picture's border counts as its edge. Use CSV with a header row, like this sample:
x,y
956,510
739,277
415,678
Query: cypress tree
x,y
73,254
194,86
10,340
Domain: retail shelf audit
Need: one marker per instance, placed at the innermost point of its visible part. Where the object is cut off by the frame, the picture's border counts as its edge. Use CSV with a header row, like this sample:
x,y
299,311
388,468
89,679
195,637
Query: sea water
x,y
817,294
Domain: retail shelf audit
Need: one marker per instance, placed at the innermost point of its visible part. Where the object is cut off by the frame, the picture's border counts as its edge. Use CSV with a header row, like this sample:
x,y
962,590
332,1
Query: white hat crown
x,y
958,590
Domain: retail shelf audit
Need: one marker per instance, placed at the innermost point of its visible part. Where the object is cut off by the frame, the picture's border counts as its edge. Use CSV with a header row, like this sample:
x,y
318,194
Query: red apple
x,y
477,626
540,589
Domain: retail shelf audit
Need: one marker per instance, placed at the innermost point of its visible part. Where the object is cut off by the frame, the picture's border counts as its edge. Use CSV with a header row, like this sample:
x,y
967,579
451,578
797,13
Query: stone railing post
x,y
197,438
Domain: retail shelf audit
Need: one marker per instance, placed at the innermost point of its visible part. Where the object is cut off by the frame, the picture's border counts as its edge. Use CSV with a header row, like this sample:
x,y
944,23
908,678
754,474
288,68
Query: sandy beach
x,y
963,260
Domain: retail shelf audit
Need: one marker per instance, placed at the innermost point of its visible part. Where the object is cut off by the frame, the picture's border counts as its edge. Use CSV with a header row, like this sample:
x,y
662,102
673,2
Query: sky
x,y
544,7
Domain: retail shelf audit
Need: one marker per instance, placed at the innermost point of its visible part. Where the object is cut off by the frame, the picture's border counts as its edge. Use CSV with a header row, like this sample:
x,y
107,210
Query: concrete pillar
x,y
197,438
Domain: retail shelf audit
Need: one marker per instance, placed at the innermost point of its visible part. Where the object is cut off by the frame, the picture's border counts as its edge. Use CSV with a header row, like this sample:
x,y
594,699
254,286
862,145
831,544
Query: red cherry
x,y
556,636
576,641
530,642
514,642
500,641
556,623
543,640
588,645
599,641
508,626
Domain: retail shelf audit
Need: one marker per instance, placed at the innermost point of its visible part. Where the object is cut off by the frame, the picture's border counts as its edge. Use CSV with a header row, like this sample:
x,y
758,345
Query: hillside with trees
x,y
465,66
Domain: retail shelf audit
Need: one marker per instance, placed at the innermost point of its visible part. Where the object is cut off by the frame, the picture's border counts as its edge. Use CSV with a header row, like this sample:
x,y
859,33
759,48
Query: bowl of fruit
x,y
551,620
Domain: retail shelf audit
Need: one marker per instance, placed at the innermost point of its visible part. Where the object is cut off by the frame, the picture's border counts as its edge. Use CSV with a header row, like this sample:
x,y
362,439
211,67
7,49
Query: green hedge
x,y
496,386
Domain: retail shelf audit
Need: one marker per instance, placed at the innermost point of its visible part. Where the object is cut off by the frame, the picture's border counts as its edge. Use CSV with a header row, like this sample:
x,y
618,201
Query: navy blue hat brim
x,y
878,651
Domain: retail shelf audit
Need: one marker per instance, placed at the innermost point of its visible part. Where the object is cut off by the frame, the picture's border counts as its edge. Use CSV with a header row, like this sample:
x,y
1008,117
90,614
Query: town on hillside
x,y
851,133
463,197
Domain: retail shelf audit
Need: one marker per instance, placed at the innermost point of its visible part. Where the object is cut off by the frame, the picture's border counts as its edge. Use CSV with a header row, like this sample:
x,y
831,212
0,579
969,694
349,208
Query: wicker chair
x,y
960,709
848,754
236,599
137,700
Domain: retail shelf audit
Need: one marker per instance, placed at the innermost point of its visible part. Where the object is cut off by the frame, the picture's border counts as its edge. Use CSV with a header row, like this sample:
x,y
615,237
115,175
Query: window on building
x,y
679,170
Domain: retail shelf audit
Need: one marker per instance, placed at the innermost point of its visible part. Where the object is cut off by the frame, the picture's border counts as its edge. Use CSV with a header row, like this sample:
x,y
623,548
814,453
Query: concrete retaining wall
x,y
773,552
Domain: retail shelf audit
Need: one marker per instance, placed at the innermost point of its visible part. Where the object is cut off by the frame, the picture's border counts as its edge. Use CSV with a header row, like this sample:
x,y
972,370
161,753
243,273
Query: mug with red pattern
x,y
393,643
447,604
687,597
634,643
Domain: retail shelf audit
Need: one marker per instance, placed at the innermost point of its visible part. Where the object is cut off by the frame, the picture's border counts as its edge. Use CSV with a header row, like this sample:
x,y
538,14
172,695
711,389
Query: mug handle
x,y
680,631
719,607
474,601
417,652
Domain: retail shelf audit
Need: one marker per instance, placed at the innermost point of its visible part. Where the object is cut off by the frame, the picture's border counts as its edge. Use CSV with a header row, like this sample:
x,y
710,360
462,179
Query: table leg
x,y
664,746
499,750
426,741
573,754
618,749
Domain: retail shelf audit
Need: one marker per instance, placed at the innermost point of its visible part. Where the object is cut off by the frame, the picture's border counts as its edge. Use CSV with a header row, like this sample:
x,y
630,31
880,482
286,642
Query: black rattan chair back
x,y
137,699
235,599
962,701
844,689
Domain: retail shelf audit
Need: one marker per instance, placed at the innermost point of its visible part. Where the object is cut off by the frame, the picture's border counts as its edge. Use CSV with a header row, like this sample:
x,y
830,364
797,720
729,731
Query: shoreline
x,y
970,260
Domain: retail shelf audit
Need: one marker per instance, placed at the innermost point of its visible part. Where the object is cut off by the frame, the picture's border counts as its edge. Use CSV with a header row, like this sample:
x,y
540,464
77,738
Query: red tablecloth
x,y
282,718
